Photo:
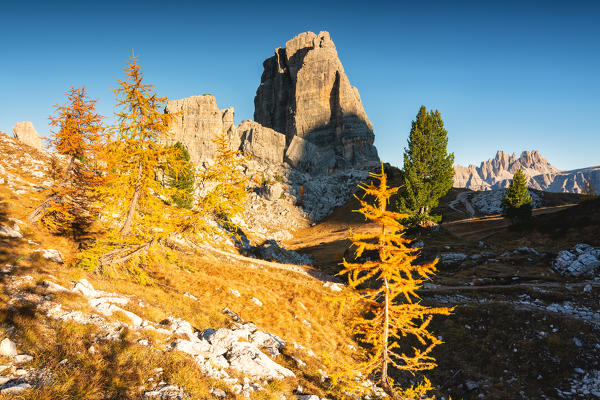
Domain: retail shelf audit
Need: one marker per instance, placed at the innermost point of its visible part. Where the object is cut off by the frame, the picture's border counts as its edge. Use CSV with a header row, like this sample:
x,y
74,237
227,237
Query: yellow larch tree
x,y
136,201
79,136
386,288
224,191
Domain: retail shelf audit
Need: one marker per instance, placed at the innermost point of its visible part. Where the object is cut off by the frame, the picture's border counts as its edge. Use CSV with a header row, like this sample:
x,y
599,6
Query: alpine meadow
x,y
419,222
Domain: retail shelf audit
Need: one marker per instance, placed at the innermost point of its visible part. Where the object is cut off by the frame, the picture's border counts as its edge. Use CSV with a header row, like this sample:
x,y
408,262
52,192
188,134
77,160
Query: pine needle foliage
x,y
428,167
80,136
386,287
184,180
516,203
136,202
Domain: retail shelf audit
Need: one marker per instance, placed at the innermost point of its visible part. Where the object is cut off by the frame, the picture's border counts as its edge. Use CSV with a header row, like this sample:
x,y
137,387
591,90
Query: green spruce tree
x,y
516,203
428,167
589,191
183,180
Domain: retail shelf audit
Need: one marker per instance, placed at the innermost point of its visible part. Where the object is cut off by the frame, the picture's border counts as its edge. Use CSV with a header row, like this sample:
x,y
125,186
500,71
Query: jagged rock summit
x,y
25,132
497,172
311,143
305,94
307,114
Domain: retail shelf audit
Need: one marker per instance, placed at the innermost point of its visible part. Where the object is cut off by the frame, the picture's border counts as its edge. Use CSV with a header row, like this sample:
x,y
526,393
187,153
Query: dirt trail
x,y
480,228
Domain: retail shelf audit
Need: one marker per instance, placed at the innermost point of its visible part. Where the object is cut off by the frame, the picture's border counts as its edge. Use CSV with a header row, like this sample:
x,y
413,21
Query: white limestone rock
x,y
8,232
51,255
271,343
193,348
166,392
22,359
8,348
247,358
85,288
582,260
16,389
25,132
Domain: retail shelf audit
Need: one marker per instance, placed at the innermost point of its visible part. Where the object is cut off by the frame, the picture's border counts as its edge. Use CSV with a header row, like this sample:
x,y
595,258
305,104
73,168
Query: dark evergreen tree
x,y
428,168
184,180
589,191
516,203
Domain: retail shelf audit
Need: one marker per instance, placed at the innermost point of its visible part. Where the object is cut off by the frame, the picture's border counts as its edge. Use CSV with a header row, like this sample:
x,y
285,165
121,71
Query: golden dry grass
x,y
291,303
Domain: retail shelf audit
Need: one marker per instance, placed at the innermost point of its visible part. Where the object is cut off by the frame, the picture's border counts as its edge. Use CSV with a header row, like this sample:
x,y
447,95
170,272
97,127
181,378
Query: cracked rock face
x,y
304,93
25,132
197,123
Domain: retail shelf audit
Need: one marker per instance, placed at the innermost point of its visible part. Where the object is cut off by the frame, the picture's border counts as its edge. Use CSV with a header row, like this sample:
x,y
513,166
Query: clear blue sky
x,y
510,75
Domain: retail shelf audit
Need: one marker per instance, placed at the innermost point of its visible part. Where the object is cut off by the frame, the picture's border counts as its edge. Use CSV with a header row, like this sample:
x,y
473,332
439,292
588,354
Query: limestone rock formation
x,y
311,134
496,173
25,132
574,181
304,92
197,123
259,142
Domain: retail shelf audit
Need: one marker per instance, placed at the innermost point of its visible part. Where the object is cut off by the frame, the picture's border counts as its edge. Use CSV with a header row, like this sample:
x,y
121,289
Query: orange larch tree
x,y
386,290
80,137
136,202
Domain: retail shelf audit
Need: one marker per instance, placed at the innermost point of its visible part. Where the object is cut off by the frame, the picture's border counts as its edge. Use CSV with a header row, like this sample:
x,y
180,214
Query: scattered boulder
x,y
256,301
273,192
334,287
582,260
16,389
271,343
166,392
247,358
8,232
84,288
448,259
25,133
51,255
23,359
8,348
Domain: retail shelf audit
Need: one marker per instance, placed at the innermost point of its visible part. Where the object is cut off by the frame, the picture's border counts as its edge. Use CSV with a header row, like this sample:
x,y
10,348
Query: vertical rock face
x,y
304,92
260,142
198,122
25,132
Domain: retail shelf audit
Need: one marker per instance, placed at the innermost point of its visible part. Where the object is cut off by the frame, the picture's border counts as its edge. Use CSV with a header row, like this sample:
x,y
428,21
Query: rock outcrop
x,y
198,121
496,173
305,94
25,132
311,136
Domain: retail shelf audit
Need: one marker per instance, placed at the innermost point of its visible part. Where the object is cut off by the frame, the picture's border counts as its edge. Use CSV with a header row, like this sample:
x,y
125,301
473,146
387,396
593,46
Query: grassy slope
x,y
480,337
291,302
483,333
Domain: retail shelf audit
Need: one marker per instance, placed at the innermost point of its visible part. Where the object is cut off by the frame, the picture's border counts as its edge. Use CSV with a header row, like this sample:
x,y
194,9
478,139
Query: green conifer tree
x,y
428,167
516,203
184,180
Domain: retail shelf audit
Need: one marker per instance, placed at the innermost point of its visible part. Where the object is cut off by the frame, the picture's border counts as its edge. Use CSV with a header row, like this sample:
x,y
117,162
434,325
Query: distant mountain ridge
x,y
497,173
